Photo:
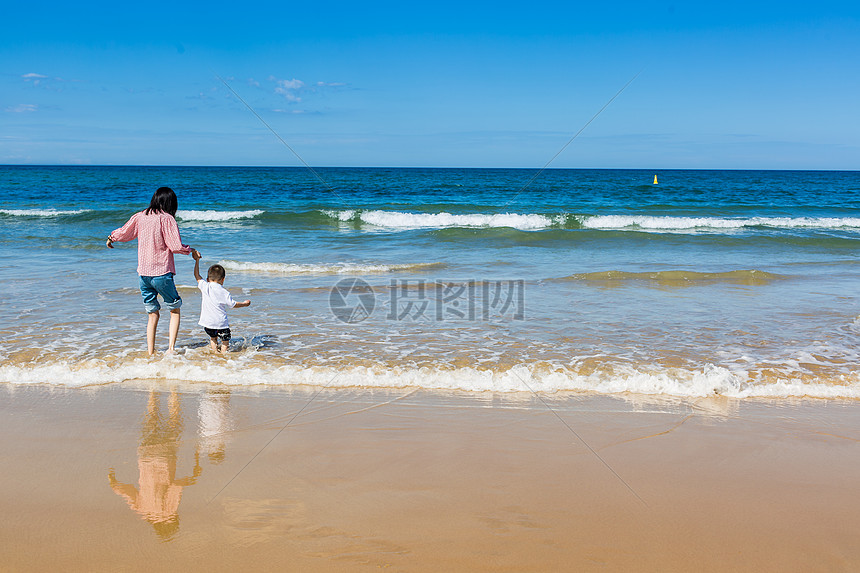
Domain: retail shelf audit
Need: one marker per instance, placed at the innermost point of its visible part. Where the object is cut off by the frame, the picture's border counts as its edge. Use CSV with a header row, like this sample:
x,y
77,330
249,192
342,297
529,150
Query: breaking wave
x,y
402,220
685,223
541,378
398,220
325,268
210,215
41,212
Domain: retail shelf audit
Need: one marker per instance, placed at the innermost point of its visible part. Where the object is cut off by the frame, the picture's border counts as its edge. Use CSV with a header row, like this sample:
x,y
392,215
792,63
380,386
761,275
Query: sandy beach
x,y
451,287
105,479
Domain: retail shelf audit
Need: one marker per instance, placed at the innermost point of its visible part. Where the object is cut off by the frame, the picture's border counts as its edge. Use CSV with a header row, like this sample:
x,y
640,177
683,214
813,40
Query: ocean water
x,y
736,283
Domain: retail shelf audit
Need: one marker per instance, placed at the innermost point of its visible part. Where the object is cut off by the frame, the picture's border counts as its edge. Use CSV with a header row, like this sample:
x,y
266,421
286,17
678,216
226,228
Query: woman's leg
x,y
150,302
151,326
174,328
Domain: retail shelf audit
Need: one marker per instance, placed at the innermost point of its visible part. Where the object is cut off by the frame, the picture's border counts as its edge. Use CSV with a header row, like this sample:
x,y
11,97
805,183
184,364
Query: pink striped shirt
x,y
157,237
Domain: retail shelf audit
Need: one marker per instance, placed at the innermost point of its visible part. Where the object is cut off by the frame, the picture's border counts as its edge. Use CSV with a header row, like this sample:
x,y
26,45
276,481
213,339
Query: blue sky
x,y
727,85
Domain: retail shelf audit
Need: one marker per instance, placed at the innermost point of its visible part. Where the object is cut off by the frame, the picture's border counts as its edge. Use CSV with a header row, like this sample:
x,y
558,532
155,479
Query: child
x,y
216,301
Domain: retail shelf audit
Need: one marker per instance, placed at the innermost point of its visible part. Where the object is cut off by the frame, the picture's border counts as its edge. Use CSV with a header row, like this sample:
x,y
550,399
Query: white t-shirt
x,y
216,301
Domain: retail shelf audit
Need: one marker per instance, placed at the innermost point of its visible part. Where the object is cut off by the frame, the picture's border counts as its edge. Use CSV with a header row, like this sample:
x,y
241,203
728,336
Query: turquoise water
x,y
740,283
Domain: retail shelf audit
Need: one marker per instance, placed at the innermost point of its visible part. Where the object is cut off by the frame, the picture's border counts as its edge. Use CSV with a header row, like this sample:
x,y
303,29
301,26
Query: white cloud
x,y
292,84
42,80
294,90
34,77
22,108
288,88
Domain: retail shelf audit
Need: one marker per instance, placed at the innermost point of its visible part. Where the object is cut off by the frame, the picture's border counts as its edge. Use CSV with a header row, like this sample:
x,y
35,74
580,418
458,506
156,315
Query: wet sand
x,y
136,477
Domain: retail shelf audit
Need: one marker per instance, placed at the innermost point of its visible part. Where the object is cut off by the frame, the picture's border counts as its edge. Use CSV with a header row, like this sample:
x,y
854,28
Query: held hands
x,y
109,242
196,254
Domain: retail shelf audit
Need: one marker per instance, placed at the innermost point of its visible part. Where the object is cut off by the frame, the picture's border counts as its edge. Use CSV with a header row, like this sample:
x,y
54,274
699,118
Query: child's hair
x,y
216,273
163,201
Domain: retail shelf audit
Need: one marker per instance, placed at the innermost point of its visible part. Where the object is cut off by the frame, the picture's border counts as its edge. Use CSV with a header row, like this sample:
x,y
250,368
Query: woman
x,y
158,238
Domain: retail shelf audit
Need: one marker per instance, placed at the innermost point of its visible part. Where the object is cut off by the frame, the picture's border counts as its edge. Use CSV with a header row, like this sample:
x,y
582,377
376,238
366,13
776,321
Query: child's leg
x,y
225,339
213,338
151,326
174,328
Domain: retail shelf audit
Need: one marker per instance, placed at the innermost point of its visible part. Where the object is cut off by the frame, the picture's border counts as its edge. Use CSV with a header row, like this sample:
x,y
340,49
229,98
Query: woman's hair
x,y
163,201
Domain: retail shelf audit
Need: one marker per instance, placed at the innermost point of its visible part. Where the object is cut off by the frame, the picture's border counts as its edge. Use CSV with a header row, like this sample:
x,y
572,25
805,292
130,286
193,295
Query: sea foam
x,y
402,220
708,381
324,268
684,223
398,220
41,212
210,215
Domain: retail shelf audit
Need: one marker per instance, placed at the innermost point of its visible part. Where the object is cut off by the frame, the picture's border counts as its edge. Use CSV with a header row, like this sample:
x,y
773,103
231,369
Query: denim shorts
x,y
162,285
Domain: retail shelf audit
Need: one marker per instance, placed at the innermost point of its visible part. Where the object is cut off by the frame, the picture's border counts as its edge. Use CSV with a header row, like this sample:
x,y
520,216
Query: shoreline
x,y
362,479
193,368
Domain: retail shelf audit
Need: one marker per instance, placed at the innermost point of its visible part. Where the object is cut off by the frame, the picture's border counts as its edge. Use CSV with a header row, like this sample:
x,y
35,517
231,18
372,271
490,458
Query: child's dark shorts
x,y
222,333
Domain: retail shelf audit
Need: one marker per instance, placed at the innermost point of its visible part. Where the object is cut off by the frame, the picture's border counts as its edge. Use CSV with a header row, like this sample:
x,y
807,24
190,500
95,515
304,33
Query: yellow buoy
x,y
655,180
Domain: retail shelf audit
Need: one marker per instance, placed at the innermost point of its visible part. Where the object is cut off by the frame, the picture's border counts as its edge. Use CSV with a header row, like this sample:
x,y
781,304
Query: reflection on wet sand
x,y
412,480
214,424
157,499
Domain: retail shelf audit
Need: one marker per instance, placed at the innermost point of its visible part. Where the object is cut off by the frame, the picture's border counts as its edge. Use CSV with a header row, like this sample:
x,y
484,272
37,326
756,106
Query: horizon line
x,y
304,168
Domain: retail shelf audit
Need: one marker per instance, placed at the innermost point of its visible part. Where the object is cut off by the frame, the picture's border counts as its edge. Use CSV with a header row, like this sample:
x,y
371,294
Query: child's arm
x,y
243,304
196,256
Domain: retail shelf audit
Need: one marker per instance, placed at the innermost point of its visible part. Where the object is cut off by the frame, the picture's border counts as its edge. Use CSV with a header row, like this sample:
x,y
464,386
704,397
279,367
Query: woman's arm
x,y
170,232
125,233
